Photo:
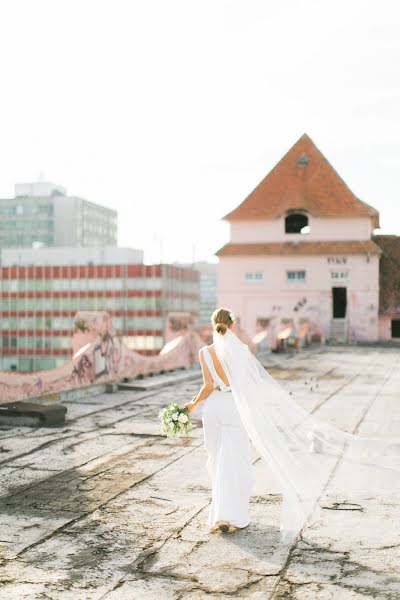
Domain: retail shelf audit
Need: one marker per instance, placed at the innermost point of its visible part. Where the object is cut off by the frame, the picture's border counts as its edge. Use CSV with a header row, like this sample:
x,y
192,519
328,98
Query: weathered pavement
x,y
105,508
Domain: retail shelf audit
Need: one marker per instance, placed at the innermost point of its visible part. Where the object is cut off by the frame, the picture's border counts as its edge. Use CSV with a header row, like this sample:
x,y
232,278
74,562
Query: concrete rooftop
x,y
105,508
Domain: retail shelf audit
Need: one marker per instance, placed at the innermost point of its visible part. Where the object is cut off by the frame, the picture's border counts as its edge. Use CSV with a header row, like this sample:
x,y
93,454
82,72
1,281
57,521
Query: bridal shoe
x,y
223,526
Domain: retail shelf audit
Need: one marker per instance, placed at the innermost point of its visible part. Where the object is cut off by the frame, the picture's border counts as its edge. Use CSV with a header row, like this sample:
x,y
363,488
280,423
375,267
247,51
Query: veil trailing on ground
x,y
297,446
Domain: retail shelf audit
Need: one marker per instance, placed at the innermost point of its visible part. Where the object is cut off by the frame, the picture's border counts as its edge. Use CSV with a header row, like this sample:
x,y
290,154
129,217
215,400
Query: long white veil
x,y
295,444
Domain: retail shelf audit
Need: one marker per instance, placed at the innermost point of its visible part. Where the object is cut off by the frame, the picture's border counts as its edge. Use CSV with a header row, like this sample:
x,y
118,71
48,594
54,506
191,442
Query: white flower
x,y
232,316
174,422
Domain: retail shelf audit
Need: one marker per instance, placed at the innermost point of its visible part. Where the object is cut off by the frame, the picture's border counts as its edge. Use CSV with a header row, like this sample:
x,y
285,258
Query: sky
x,y
172,111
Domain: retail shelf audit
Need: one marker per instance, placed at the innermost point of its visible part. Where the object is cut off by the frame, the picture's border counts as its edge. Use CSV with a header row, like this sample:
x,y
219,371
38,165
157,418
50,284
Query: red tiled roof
x,y
389,273
315,187
285,248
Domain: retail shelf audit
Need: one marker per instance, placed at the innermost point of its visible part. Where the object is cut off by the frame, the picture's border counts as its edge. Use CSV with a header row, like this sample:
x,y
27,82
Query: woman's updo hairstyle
x,y
222,320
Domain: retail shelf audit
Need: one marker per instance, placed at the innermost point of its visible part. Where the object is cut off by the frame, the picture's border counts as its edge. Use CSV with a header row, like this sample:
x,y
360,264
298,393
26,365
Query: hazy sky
x,y
171,111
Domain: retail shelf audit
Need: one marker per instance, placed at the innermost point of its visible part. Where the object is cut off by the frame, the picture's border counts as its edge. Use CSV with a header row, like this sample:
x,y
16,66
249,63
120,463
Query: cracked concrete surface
x,y
105,508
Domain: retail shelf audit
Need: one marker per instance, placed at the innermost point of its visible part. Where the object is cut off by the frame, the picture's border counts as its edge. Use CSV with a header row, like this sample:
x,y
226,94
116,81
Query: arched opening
x,y
295,222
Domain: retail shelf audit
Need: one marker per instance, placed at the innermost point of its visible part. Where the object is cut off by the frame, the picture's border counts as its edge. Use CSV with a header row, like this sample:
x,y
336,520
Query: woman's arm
x,y
206,388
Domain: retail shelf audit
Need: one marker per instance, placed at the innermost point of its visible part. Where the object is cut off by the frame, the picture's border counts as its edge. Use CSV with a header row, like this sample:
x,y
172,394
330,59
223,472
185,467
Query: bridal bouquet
x,y
175,421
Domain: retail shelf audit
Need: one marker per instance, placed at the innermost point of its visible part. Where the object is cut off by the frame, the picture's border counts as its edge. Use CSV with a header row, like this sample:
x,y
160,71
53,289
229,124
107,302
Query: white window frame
x,y
296,279
254,276
339,279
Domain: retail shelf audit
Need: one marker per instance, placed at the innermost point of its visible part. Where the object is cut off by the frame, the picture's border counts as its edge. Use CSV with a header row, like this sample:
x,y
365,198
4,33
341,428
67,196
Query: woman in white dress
x,y
243,403
226,441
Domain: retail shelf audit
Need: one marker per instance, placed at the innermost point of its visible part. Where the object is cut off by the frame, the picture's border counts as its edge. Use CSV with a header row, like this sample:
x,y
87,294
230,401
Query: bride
x,y
226,440
245,403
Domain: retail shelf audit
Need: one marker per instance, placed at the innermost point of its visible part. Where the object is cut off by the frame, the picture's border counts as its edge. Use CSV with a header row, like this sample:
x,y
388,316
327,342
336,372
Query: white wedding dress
x,y
301,450
229,454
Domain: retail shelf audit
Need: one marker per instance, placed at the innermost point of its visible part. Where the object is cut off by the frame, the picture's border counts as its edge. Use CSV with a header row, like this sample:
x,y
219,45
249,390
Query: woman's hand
x,y
191,406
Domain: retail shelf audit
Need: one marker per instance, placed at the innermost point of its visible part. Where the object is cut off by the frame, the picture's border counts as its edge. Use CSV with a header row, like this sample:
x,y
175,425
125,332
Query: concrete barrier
x,y
99,357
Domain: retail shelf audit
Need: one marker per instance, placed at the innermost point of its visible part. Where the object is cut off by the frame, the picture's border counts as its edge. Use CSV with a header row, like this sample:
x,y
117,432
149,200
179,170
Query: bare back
x,y
217,365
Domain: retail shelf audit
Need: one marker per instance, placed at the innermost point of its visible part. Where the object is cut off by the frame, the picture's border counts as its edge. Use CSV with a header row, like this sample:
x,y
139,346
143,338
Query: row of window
x,y
94,230
36,225
96,284
74,285
27,209
27,239
37,342
100,212
134,342
98,239
120,303
36,323
34,363
296,275
138,342
79,303
60,323
89,227
290,275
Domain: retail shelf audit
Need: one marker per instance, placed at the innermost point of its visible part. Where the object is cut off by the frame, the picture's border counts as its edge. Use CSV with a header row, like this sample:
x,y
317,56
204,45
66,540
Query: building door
x,y
395,328
339,297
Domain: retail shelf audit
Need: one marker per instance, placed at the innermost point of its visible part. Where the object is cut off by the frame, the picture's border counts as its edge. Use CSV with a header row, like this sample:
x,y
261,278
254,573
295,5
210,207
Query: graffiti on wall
x,y
100,357
302,302
107,355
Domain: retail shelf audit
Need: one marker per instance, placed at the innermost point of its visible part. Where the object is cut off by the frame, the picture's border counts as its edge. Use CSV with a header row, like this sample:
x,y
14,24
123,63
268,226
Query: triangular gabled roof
x,y
304,180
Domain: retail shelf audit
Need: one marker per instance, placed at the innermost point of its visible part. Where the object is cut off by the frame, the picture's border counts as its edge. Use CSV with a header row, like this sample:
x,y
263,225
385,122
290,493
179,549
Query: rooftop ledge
x,y
100,358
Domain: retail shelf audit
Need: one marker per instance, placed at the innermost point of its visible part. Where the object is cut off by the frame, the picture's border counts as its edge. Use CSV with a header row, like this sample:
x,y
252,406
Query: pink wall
x,y
106,359
276,297
320,230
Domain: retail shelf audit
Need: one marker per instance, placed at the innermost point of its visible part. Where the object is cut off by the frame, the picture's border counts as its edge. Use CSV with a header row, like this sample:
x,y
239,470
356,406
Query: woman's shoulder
x,y
205,347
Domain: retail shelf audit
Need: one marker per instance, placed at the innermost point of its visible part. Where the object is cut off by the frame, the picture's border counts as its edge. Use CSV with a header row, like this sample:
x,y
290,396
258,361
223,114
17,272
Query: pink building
x,y
302,257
